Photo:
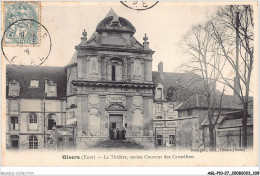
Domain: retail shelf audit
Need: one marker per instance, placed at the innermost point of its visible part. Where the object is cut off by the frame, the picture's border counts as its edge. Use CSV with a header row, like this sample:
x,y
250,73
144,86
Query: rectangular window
x,y
159,107
113,72
33,145
159,93
159,139
14,123
171,139
13,86
33,126
14,89
51,124
34,83
52,88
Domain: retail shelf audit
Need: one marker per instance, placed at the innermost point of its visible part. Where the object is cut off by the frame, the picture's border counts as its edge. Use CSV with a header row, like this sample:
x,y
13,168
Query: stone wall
x,y
25,107
188,134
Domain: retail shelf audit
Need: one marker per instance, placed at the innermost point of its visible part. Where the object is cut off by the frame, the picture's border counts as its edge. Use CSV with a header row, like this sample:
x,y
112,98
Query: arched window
x,y
33,142
116,69
33,121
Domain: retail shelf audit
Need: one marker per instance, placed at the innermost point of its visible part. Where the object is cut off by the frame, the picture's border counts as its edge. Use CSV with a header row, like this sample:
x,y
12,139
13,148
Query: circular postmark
x,y
139,5
26,42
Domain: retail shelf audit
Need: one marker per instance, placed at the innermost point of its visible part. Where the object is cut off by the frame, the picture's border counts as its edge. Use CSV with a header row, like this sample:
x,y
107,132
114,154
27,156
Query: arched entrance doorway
x,y
116,121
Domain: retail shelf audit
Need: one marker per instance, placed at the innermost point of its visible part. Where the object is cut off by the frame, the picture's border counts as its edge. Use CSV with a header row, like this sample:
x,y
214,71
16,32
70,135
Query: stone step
x,y
118,144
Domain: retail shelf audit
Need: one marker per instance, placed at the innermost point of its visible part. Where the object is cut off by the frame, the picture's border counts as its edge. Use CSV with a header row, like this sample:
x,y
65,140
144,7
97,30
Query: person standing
x,y
123,134
117,133
114,133
111,133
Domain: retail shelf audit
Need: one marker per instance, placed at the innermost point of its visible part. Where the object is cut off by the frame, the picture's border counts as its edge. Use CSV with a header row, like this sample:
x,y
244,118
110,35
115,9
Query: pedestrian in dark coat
x,y
111,134
123,134
117,133
114,133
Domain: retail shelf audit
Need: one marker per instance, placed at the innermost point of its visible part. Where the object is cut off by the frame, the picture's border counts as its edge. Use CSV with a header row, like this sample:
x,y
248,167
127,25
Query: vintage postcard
x,y
129,83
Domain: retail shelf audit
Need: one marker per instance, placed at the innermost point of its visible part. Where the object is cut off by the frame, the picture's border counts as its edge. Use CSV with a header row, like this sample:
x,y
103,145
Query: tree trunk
x,y
244,125
211,125
211,137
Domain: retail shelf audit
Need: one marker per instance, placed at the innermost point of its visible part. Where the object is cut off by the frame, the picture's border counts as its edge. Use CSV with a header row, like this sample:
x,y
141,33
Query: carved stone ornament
x,y
116,107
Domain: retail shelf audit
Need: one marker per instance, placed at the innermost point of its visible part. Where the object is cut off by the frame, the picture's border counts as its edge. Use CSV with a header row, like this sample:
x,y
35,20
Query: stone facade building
x,y
110,84
36,102
183,124
107,91
107,85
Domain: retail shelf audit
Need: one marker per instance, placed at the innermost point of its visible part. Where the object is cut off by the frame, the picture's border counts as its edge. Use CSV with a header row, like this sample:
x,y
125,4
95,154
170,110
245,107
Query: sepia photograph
x,y
129,83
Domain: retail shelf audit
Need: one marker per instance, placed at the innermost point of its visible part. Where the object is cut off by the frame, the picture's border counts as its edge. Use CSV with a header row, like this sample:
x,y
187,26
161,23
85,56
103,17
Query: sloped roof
x,y
191,81
200,101
25,74
73,60
229,120
195,84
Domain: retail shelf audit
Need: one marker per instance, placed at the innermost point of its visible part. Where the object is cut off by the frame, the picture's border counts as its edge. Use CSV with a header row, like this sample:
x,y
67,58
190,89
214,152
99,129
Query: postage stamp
x,y
21,54
18,29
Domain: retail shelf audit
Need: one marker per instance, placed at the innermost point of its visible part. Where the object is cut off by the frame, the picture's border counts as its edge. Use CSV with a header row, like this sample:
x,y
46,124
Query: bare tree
x,y
207,63
233,29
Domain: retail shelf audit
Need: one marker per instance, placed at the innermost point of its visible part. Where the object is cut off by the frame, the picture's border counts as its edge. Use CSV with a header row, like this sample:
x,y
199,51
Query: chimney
x,y
160,69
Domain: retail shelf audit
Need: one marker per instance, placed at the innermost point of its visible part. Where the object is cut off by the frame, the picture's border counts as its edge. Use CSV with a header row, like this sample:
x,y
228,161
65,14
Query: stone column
x,y
148,68
84,106
103,120
147,116
80,75
84,68
103,71
142,70
150,115
79,116
124,69
88,66
99,68
129,113
129,68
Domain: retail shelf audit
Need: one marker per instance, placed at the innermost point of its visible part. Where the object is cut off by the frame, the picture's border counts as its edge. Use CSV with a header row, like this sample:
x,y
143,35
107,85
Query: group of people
x,y
117,134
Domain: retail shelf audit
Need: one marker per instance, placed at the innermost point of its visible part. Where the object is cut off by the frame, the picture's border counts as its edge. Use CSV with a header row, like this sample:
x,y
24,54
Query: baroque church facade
x,y
110,83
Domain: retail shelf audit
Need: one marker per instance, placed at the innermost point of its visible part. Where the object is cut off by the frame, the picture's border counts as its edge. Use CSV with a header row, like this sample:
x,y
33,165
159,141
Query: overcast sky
x,y
164,24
